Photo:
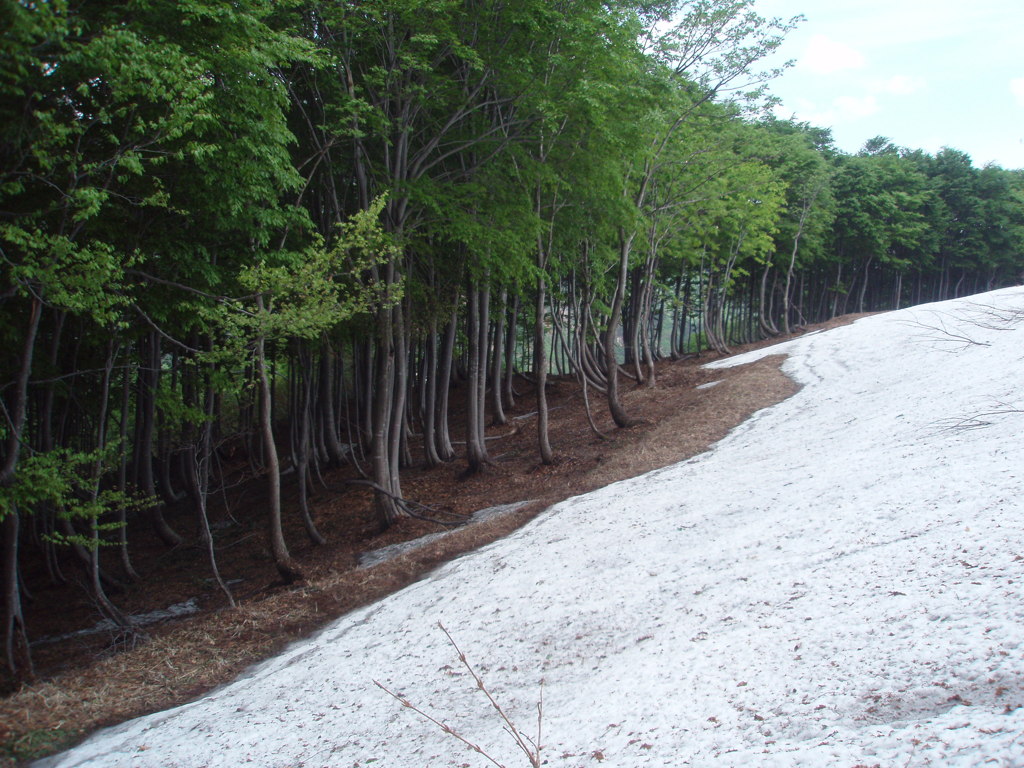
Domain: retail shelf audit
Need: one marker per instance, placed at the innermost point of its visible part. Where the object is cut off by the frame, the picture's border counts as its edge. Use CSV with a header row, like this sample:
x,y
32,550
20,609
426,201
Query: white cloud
x,y
855,107
806,111
1017,89
901,85
840,110
908,60
825,56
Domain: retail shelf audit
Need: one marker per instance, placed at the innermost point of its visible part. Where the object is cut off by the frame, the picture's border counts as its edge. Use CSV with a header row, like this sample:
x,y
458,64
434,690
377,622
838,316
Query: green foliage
x,y
800,157
82,278
883,209
131,123
65,480
301,295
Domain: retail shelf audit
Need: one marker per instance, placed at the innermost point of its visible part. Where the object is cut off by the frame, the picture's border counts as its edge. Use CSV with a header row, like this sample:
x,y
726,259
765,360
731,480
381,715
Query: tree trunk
x,y
18,656
16,648
444,367
16,406
498,412
864,285
431,371
764,314
286,567
388,511
149,382
122,477
540,373
476,332
107,608
618,413
198,466
366,399
789,277
335,451
510,352
398,427
304,447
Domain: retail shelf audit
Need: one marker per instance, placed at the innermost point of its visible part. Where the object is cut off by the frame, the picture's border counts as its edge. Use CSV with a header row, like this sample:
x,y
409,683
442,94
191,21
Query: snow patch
x,y
377,556
175,611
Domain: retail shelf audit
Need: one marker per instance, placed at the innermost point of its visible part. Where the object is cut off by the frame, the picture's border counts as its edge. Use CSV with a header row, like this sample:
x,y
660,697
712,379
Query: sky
x,y
836,583
925,75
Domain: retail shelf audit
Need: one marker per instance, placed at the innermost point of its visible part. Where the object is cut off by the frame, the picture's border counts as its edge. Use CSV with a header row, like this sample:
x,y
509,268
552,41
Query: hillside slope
x,y
836,583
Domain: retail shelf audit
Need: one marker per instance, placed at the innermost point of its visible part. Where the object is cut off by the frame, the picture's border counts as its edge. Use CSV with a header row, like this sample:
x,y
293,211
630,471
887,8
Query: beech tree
x,y
300,297
802,158
106,116
710,49
882,212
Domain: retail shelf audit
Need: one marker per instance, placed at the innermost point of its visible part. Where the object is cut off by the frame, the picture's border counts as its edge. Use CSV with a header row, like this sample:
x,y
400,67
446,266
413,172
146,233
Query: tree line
x,y
290,225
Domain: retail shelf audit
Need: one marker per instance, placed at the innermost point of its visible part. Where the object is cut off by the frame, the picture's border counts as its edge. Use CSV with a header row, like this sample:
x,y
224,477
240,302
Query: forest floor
x,y
89,680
